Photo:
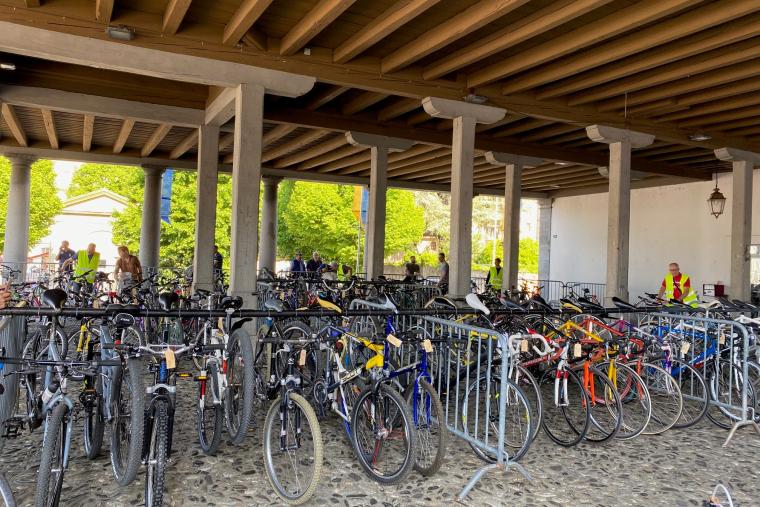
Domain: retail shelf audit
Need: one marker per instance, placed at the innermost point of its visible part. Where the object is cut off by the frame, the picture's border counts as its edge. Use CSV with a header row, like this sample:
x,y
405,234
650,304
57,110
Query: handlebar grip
x,y
100,363
213,347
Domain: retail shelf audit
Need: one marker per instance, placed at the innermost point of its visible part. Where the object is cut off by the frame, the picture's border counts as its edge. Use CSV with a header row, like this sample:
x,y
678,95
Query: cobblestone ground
x,y
675,469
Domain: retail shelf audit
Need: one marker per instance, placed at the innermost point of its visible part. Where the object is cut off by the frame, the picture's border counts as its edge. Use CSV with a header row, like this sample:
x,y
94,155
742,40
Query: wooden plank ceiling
x,y
686,71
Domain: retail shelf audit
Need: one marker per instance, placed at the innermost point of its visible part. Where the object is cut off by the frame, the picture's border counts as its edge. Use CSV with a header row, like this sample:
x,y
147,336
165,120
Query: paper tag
x,y
685,346
722,339
302,357
427,345
524,345
393,340
577,350
171,360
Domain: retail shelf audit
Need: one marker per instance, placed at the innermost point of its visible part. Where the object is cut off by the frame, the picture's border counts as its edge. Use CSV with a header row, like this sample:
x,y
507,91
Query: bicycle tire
x,y
530,388
158,453
567,433
6,493
272,424
239,399
209,430
431,408
94,422
127,424
408,432
606,415
696,397
518,411
633,394
53,449
662,386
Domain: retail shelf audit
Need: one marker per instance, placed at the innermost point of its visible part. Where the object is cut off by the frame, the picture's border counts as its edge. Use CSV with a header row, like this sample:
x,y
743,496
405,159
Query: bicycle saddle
x,y
228,302
587,304
386,302
475,303
623,305
54,298
508,303
167,299
274,304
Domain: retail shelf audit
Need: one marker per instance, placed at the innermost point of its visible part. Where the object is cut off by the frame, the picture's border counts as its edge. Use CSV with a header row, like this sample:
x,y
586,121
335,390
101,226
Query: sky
x,y
64,170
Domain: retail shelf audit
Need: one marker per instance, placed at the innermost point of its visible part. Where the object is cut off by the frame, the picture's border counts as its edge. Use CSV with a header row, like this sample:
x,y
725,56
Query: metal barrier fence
x,y
12,335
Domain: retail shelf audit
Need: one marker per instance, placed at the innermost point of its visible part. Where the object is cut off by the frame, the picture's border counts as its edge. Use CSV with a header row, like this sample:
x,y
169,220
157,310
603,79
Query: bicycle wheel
x,y
566,416
210,412
94,421
6,494
696,398
725,383
430,422
385,452
293,449
667,400
606,409
635,397
238,398
480,418
532,391
127,427
158,452
50,473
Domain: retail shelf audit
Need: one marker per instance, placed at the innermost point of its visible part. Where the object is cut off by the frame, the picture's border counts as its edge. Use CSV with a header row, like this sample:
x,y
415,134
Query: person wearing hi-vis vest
x,y
495,275
88,262
677,285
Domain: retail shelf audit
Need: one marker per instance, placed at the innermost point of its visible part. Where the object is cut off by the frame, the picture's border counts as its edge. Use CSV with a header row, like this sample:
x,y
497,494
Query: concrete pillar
x,y
150,230
544,238
17,217
741,218
246,179
512,197
268,245
465,117
619,204
380,146
205,206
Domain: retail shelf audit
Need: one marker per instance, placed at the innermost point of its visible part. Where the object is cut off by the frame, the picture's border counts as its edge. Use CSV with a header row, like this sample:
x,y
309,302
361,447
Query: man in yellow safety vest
x,y
88,262
677,285
495,275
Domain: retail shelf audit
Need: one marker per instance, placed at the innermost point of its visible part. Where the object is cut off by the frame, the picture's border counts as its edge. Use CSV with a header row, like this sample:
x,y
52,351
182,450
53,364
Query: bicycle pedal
x,y
13,427
88,397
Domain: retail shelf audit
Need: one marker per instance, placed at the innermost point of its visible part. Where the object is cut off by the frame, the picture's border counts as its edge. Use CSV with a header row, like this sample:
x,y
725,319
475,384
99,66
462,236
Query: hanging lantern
x,y
717,200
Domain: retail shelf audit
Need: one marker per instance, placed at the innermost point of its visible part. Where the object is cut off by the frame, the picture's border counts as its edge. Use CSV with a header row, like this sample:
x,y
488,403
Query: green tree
x,y
127,181
404,221
44,203
528,258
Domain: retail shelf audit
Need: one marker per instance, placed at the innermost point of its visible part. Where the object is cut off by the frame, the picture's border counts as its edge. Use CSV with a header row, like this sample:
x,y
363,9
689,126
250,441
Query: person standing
x,y
315,264
411,270
218,261
495,275
128,269
297,265
677,285
88,262
65,257
443,272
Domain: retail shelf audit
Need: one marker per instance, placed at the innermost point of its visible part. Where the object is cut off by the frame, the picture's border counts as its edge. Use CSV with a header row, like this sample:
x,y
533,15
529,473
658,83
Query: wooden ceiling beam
x,y
467,21
418,118
174,14
320,149
417,153
276,133
31,3
589,34
121,139
294,144
360,157
49,121
689,68
696,85
397,15
661,33
531,26
397,108
436,162
14,124
508,119
325,97
104,11
684,48
362,102
155,139
734,114
731,124
184,145
524,126
317,19
243,20
332,156
227,140
88,126
551,131
734,102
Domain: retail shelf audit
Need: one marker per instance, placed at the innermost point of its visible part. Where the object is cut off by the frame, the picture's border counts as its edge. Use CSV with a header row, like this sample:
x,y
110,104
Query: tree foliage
x,y
527,257
126,181
404,221
44,204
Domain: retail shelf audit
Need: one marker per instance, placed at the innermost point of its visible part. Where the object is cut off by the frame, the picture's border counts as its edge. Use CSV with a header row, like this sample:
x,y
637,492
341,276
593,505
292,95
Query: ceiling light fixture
x,y
7,66
473,98
700,136
717,200
120,32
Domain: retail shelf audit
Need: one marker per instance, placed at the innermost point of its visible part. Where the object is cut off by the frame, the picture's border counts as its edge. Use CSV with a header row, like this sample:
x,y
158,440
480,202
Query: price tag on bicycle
x,y
524,345
685,346
577,350
302,357
427,345
722,339
393,341
171,359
